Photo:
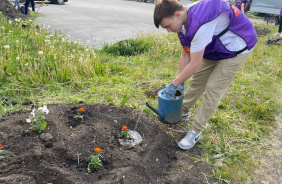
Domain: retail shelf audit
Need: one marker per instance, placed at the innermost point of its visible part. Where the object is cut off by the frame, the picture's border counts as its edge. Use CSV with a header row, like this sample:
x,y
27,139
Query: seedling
x,y
95,161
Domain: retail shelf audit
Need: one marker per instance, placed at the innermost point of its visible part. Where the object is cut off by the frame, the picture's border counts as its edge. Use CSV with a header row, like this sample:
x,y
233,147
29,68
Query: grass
x,y
39,67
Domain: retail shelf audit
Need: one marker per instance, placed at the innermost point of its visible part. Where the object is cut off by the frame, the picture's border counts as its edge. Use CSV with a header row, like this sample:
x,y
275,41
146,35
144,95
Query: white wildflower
x,y
28,120
6,46
18,58
26,64
33,113
17,41
44,109
40,52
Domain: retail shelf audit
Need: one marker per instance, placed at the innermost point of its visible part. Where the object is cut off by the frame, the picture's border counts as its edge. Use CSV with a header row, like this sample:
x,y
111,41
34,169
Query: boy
x,y
217,39
241,5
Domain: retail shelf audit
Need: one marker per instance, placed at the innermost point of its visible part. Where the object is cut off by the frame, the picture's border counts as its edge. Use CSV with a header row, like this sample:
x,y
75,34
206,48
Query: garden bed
x,y
60,154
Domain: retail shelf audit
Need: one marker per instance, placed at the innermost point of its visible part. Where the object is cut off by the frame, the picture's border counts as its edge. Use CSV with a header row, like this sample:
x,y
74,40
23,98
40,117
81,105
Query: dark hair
x,y
164,9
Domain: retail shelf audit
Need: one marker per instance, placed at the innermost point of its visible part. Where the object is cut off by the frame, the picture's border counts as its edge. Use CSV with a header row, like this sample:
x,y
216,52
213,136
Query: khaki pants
x,y
212,79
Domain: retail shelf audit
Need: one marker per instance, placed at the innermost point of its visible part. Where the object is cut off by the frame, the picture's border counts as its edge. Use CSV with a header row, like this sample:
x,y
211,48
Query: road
x,y
95,22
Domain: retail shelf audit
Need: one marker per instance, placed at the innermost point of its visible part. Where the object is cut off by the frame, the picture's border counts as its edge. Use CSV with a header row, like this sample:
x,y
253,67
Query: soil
x,y
60,154
261,31
9,11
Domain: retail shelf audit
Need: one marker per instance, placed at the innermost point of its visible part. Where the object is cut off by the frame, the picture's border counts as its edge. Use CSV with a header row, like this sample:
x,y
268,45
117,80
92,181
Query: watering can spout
x,y
161,116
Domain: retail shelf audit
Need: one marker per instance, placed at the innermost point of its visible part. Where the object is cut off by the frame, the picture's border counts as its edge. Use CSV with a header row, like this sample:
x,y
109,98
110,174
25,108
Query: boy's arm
x,y
184,60
191,68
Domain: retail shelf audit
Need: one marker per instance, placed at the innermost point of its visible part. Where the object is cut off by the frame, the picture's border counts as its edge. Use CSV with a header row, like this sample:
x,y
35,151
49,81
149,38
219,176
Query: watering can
x,y
169,108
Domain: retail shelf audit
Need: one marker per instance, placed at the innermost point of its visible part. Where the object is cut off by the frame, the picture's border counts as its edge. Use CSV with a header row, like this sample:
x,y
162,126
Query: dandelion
x,y
40,52
124,128
81,109
6,46
98,150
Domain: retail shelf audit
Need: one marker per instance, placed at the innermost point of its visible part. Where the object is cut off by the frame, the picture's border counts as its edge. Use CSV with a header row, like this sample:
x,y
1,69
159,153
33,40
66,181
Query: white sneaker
x,y
185,117
189,140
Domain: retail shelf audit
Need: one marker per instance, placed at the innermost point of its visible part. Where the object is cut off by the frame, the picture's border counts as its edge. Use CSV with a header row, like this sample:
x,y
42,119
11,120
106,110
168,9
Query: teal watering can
x,y
169,108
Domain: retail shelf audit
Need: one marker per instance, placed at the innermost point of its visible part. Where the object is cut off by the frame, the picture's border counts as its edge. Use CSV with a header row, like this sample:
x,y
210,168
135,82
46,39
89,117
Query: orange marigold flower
x,y
0,145
49,183
81,109
98,150
124,128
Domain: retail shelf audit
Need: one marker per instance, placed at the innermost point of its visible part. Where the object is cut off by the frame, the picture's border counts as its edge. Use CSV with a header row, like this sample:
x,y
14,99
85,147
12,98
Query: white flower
x,y
17,41
26,64
18,58
40,52
33,113
28,120
44,109
2,27
6,46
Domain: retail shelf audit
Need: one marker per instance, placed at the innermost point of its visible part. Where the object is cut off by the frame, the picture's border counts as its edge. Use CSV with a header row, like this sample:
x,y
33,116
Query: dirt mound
x,y
9,11
63,158
261,31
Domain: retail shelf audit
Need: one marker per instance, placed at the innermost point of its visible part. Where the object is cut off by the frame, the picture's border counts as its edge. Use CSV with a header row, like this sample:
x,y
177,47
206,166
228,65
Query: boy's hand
x,y
170,90
181,87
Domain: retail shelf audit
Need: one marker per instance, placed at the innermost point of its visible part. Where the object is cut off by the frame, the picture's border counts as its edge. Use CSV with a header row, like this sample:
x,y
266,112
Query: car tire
x,y
272,20
60,2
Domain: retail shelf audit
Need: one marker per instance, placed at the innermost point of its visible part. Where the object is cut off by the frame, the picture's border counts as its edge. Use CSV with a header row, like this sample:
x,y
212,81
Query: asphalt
x,y
96,22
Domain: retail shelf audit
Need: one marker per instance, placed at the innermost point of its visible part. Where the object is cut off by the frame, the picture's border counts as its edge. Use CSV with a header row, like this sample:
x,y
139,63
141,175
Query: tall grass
x,y
39,67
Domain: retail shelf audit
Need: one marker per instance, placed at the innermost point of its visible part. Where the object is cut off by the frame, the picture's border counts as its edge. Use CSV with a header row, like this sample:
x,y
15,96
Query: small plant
x,y
37,119
125,132
79,117
95,161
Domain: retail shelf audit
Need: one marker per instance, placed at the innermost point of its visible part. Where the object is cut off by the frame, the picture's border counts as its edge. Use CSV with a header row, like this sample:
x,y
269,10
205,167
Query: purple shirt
x,y
202,13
